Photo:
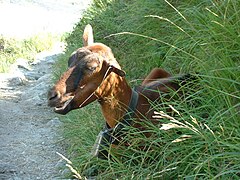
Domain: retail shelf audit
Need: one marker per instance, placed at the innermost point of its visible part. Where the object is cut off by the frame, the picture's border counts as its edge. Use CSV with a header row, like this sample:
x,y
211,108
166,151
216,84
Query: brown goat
x,y
94,74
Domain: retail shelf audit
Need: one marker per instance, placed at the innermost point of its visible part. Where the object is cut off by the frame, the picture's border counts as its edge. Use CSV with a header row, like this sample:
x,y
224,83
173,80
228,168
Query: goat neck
x,y
114,97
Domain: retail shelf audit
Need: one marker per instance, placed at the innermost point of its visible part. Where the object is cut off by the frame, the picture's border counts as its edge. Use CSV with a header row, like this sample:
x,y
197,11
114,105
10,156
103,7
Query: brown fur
x,y
113,92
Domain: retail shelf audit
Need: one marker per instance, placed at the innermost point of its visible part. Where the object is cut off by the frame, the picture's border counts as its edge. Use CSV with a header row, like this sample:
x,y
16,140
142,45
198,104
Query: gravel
x,y
30,133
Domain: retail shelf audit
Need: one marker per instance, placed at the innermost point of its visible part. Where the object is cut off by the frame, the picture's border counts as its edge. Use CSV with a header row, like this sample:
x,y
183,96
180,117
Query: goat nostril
x,y
54,95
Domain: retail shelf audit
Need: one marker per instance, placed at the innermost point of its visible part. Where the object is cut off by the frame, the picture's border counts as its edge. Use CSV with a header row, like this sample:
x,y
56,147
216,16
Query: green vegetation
x,y
11,49
184,36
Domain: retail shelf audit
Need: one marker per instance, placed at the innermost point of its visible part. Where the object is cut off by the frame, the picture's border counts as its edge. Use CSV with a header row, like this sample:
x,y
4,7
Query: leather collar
x,y
109,135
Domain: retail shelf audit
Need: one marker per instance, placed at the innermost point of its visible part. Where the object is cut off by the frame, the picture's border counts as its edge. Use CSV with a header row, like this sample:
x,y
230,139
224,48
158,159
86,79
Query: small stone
x,y
55,122
32,75
18,80
23,63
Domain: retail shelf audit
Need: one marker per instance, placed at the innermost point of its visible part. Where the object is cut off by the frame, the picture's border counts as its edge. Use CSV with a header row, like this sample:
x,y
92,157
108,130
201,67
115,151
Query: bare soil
x,y
30,132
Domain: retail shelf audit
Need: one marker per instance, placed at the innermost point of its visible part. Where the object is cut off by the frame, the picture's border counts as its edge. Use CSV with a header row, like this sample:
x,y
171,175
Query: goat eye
x,y
91,68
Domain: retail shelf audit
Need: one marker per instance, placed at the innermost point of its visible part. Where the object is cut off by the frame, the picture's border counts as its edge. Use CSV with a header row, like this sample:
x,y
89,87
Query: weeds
x,y
12,49
202,141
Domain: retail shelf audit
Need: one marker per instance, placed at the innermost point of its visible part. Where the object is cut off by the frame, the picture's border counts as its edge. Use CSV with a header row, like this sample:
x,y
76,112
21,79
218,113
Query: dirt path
x,y
29,130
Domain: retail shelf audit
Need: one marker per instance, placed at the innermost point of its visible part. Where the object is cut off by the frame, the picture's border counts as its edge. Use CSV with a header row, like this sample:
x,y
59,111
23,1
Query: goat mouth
x,y
63,105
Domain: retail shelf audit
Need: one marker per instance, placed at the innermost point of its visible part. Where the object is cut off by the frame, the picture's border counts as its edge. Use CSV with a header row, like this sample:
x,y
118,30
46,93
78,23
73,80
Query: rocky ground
x,y
29,131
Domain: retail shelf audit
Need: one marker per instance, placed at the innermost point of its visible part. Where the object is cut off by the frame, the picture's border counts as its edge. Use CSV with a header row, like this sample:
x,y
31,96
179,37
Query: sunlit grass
x,y
181,37
11,49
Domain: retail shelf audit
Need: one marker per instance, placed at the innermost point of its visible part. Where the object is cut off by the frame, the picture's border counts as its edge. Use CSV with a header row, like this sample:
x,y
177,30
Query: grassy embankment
x,y
12,48
180,36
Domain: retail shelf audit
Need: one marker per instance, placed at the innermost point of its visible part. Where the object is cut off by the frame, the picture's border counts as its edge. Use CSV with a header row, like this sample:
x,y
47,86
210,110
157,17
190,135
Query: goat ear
x,y
118,71
88,35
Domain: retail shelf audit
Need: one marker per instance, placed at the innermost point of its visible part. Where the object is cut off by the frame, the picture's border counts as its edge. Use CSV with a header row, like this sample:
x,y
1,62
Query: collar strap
x,y
118,71
110,69
113,135
126,120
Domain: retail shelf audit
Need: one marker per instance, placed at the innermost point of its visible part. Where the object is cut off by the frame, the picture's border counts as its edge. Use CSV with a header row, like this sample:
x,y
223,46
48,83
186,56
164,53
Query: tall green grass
x,y
200,37
11,49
